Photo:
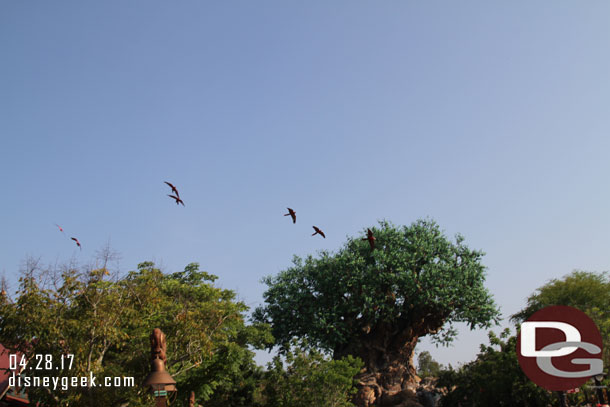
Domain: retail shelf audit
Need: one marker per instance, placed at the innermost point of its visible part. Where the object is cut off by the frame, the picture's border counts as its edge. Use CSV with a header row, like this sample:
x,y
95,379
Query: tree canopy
x,y
376,303
427,366
309,379
586,291
495,377
105,322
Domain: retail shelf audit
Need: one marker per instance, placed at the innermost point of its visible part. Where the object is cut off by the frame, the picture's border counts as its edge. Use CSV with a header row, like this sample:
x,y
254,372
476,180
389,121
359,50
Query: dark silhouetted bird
x,y
370,238
178,200
174,189
292,214
77,242
318,232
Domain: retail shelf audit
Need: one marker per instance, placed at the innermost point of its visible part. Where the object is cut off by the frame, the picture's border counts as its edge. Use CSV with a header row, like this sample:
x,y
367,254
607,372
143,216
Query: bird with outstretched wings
x,y
177,199
318,232
174,189
77,242
292,214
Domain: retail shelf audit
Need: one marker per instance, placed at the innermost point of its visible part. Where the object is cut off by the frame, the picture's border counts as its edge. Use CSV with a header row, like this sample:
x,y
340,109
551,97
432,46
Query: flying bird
x,y
178,200
174,189
318,232
292,214
370,238
60,228
77,242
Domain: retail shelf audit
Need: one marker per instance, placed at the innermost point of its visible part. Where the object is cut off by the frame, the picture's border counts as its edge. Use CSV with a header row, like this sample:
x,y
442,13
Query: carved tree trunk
x,y
388,378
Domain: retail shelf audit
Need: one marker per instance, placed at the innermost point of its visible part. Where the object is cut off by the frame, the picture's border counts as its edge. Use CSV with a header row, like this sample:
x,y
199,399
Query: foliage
x,y
105,322
586,291
232,374
493,379
426,366
309,379
414,277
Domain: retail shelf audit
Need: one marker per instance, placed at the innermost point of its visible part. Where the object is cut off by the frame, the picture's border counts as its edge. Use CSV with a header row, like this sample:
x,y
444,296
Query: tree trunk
x,y
388,377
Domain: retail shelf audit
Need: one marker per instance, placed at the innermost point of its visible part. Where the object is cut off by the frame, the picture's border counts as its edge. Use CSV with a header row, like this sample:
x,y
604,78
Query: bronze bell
x,y
159,378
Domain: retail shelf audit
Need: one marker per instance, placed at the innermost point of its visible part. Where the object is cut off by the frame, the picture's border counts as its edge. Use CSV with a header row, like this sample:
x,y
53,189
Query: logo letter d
x,y
528,338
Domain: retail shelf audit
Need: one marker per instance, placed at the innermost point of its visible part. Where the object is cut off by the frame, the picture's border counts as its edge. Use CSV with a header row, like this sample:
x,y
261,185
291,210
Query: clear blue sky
x,y
491,118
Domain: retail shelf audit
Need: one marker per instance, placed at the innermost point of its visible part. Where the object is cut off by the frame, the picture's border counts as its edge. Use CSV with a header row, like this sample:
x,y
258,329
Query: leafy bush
x,y
493,379
309,379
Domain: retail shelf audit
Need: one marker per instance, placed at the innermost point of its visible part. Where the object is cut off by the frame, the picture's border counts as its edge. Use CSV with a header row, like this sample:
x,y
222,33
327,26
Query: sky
x,y
491,118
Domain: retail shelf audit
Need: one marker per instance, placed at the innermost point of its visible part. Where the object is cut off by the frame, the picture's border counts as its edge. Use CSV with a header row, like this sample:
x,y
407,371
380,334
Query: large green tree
x,y
495,377
105,322
586,291
426,366
376,303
